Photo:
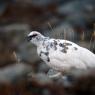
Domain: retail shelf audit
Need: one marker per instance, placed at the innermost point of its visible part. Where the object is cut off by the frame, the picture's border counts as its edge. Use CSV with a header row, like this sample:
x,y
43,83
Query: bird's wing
x,y
62,61
87,57
66,55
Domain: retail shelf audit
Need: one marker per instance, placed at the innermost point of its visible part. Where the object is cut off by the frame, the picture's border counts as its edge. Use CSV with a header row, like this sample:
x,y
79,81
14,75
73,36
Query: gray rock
x,y
13,72
40,78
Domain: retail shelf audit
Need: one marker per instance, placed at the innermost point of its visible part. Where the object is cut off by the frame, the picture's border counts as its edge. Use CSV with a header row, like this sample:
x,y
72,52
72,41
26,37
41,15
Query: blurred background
x,y
22,72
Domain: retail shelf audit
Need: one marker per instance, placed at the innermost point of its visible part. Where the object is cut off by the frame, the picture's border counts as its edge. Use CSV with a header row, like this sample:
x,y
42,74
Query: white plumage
x,y
62,55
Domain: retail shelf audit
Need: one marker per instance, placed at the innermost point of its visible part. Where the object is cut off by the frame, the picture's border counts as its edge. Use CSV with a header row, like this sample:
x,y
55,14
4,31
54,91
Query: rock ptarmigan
x,y
61,55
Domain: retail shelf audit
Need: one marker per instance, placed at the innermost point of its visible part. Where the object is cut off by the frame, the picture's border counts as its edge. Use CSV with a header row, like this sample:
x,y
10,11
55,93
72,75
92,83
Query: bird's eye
x,y
31,36
34,35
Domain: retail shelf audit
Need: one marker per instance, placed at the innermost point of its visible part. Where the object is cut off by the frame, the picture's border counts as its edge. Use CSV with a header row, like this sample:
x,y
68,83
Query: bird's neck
x,y
42,42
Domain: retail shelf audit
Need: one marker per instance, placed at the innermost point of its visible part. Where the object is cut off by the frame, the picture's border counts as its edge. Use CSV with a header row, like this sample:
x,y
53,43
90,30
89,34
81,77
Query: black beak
x,y
28,38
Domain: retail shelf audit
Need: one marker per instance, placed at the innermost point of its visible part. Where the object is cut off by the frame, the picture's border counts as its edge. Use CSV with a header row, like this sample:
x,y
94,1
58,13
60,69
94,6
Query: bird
x,y
61,55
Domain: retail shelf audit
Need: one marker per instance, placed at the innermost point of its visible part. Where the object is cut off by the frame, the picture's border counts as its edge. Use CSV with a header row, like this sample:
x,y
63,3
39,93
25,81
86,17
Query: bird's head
x,y
35,37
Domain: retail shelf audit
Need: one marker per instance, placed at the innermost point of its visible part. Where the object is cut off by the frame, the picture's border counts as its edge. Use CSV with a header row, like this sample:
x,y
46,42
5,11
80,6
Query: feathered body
x,y
62,55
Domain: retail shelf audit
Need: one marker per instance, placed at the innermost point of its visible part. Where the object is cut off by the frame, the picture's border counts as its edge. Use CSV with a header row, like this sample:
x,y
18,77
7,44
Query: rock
x,y
41,78
14,72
